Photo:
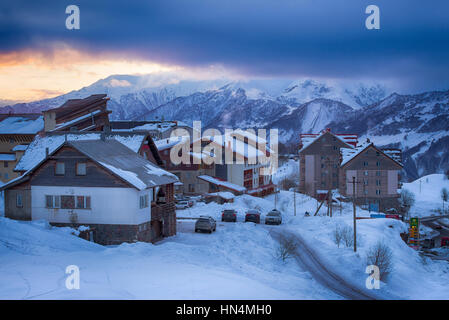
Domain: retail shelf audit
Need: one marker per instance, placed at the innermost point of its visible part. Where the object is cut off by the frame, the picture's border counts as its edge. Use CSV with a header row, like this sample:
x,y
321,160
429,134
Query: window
x,y
335,148
378,173
60,168
191,188
365,163
378,191
6,176
19,200
377,182
52,201
81,168
144,200
5,164
82,202
366,173
67,202
378,163
366,192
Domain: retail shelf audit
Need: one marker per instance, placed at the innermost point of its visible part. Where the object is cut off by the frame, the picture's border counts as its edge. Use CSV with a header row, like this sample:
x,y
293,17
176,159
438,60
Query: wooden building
x,y
16,132
95,180
88,114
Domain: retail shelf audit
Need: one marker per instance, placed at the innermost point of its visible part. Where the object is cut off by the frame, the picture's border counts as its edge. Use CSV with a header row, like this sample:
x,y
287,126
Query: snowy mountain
x,y
416,123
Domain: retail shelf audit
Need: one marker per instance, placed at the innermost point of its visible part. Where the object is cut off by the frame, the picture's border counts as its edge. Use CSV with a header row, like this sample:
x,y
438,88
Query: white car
x,y
183,204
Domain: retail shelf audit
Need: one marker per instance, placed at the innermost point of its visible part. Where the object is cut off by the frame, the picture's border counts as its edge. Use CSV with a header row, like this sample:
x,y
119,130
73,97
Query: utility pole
x,y
294,201
354,213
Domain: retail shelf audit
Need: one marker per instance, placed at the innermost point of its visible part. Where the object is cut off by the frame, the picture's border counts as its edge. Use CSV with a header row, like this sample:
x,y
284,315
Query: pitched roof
x,y
21,124
349,154
114,157
36,151
124,163
307,139
73,105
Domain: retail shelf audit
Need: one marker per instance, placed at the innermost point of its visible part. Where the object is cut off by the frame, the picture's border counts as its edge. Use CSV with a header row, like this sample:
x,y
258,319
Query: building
x,y
244,173
319,161
158,129
88,114
94,180
16,132
187,173
376,175
328,161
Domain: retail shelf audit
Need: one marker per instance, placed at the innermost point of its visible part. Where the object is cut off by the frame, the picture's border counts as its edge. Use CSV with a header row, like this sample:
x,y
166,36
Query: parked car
x,y
252,216
205,223
273,217
229,216
182,204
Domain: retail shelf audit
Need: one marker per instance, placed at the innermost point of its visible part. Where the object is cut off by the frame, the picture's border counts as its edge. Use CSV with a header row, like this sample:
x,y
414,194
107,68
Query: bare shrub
x,y
338,235
407,200
347,235
287,183
380,255
287,247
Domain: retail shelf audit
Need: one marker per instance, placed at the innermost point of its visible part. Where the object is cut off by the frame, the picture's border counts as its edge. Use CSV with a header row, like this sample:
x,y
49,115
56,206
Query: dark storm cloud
x,y
266,37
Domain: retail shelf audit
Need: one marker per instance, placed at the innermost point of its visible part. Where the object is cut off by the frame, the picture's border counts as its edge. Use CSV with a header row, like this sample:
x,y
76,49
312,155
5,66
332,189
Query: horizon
x,y
296,40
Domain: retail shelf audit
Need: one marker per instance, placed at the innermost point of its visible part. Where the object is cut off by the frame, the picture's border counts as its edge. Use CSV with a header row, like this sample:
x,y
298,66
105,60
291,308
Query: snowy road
x,y
309,260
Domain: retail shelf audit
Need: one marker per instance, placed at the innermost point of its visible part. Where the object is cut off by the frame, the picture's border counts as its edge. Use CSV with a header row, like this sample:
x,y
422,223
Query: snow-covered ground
x,y
289,169
238,261
427,191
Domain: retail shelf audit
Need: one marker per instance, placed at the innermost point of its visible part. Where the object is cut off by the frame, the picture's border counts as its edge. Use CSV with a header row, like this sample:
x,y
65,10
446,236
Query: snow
x,y
223,194
35,152
17,124
427,191
168,143
222,183
349,154
289,169
7,157
20,147
68,123
235,262
129,176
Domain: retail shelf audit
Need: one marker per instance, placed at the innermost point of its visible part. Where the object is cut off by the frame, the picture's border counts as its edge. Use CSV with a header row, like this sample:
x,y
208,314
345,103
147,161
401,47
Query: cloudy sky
x,y
40,58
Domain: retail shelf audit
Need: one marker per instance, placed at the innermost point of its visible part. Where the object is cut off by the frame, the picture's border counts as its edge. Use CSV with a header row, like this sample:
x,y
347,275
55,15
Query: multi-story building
x,y
376,177
319,160
329,161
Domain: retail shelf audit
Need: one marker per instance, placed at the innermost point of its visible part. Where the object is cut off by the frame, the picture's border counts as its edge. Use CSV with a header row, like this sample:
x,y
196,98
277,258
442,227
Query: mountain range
x,y
418,124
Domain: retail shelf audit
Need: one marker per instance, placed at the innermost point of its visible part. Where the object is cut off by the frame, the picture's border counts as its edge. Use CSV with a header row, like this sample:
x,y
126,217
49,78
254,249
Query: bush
x,y
287,183
338,235
407,200
380,255
348,236
287,247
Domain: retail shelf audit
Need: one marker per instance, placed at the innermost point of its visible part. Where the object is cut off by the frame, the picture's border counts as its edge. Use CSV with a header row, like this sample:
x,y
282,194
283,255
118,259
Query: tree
x,y
447,174
407,200
444,196
381,256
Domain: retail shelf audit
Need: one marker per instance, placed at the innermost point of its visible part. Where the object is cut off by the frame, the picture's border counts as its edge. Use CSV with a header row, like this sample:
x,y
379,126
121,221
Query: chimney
x,y
49,120
46,153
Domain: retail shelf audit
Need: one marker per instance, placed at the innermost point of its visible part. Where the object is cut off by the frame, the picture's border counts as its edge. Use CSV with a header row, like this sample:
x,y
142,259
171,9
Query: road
x,y
309,260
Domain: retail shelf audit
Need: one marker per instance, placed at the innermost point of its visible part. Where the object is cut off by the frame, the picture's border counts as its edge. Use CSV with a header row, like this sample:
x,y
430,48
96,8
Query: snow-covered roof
x,y
168,143
222,183
349,153
21,125
222,194
36,151
308,138
76,120
7,157
124,162
20,147
238,146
